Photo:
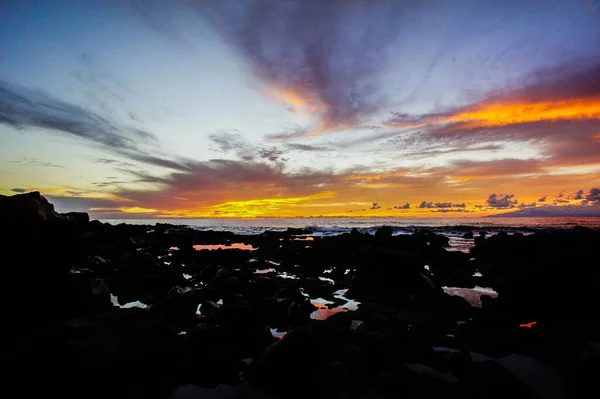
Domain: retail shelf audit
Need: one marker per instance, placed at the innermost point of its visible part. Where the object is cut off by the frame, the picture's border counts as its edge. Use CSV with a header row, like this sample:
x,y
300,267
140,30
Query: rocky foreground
x,y
95,310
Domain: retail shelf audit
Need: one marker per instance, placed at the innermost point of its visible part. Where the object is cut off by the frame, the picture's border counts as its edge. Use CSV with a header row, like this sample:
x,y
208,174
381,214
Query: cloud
x,y
35,161
593,196
405,206
542,199
375,206
430,204
273,154
22,108
557,110
452,210
18,190
523,205
501,201
230,142
579,195
321,58
306,147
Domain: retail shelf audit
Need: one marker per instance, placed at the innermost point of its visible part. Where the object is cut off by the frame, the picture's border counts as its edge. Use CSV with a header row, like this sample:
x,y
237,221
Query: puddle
x,y
327,280
237,245
129,305
187,276
320,303
287,275
173,249
323,312
278,334
264,271
472,295
327,271
528,325
304,238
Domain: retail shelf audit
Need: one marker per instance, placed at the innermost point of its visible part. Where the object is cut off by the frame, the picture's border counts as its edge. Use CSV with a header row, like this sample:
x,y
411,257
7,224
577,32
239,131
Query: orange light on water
x,y
528,325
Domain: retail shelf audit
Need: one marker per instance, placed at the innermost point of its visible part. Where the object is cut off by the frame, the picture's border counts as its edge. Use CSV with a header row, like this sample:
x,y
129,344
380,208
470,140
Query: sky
x,y
269,108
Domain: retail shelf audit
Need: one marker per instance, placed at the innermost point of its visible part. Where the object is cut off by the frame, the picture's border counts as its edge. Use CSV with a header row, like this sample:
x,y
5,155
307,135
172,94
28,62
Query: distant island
x,y
554,211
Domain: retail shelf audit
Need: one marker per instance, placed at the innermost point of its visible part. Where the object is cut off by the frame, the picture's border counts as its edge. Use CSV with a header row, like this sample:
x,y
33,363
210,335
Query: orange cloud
x,y
492,115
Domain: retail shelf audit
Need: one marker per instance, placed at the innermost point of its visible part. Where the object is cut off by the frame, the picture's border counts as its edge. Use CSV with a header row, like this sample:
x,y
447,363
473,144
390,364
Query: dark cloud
x,y
108,161
18,190
579,195
429,153
576,79
500,167
22,108
226,141
593,196
543,199
501,201
405,206
375,206
35,161
523,205
430,204
327,53
560,201
306,147
561,194
272,154
233,142
445,210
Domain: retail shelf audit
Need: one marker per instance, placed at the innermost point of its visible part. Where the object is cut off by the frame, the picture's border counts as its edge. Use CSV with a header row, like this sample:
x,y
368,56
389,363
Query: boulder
x,y
468,235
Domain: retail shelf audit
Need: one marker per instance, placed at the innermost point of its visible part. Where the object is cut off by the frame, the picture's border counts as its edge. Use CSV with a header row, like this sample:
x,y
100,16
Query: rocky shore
x,y
99,310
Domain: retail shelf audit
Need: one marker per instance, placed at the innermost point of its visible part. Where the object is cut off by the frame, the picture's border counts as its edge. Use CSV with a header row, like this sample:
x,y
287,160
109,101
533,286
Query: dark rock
x,y
488,379
128,353
384,232
387,274
140,275
468,235
101,266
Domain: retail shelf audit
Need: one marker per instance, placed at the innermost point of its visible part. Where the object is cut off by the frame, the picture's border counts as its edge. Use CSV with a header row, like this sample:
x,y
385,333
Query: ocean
x,y
452,228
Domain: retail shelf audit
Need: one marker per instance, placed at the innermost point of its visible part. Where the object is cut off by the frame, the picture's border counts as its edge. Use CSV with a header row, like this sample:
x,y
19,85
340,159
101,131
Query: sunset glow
x,y
229,110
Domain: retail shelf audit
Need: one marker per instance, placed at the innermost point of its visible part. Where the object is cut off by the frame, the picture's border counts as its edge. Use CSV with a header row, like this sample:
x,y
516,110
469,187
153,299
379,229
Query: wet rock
x,y
101,266
529,271
450,268
468,235
124,353
140,275
488,379
387,274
